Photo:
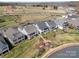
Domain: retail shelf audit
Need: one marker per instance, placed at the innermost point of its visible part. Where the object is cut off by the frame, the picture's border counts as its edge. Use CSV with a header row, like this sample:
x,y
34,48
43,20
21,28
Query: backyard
x,y
23,49
27,48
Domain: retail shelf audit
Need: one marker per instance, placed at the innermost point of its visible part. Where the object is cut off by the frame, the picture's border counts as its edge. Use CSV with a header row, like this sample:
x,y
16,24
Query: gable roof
x,y
73,16
59,22
51,24
3,44
74,23
30,29
13,34
42,25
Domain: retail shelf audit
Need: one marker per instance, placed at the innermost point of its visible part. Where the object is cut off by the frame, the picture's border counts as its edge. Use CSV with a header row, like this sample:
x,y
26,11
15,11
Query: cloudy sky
x,y
35,0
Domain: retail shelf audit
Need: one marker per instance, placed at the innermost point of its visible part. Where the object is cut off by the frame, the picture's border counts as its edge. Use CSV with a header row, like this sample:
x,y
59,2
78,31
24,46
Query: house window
x,y
53,27
15,40
45,28
66,24
32,33
3,42
20,37
4,48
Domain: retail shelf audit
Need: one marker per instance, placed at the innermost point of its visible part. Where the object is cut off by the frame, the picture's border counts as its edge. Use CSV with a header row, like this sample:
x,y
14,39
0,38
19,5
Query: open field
x,y
33,14
40,15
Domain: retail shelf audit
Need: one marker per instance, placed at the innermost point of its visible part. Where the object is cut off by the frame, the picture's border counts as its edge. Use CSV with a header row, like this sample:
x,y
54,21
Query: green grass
x,y
22,49
49,35
8,24
27,48
8,18
8,21
1,9
31,51
62,38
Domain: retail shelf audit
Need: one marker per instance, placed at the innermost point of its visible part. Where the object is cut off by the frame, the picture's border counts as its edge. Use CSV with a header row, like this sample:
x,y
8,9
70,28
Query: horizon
x,y
34,1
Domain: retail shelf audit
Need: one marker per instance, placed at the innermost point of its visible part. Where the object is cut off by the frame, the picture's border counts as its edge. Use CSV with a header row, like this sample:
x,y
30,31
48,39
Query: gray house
x,y
74,23
13,35
60,23
41,27
28,30
51,24
73,17
3,45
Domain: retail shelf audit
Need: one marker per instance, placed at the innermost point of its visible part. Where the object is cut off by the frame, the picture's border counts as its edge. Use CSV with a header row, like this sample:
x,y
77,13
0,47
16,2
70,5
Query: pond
x,y
70,52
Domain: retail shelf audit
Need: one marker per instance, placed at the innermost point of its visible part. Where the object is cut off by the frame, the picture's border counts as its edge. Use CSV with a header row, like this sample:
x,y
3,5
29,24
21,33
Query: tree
x,y
55,7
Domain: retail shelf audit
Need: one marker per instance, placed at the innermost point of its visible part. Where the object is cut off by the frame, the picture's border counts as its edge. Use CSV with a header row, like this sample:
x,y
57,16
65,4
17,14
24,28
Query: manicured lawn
x,y
23,49
62,37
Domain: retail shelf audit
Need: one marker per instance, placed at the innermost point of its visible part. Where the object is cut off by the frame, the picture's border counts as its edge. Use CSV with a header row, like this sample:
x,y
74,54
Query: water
x,y
71,52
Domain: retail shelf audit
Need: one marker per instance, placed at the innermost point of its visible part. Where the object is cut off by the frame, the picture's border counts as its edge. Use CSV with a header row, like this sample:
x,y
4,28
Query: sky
x,y
35,0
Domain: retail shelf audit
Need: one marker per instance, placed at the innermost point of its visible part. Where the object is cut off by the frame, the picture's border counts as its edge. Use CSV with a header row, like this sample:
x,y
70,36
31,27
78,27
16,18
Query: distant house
x,y
28,30
60,23
41,27
13,35
3,45
73,17
74,23
51,24
70,10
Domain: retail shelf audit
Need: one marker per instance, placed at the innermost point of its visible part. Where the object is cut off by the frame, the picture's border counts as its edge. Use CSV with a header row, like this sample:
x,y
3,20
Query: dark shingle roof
x,y
13,34
30,29
3,44
42,25
51,24
59,22
73,16
74,23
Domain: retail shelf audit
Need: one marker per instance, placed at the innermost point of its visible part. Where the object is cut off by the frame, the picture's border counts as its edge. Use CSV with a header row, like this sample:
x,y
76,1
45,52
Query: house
x,y
51,24
73,17
70,10
74,23
3,45
60,23
13,35
41,27
28,30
